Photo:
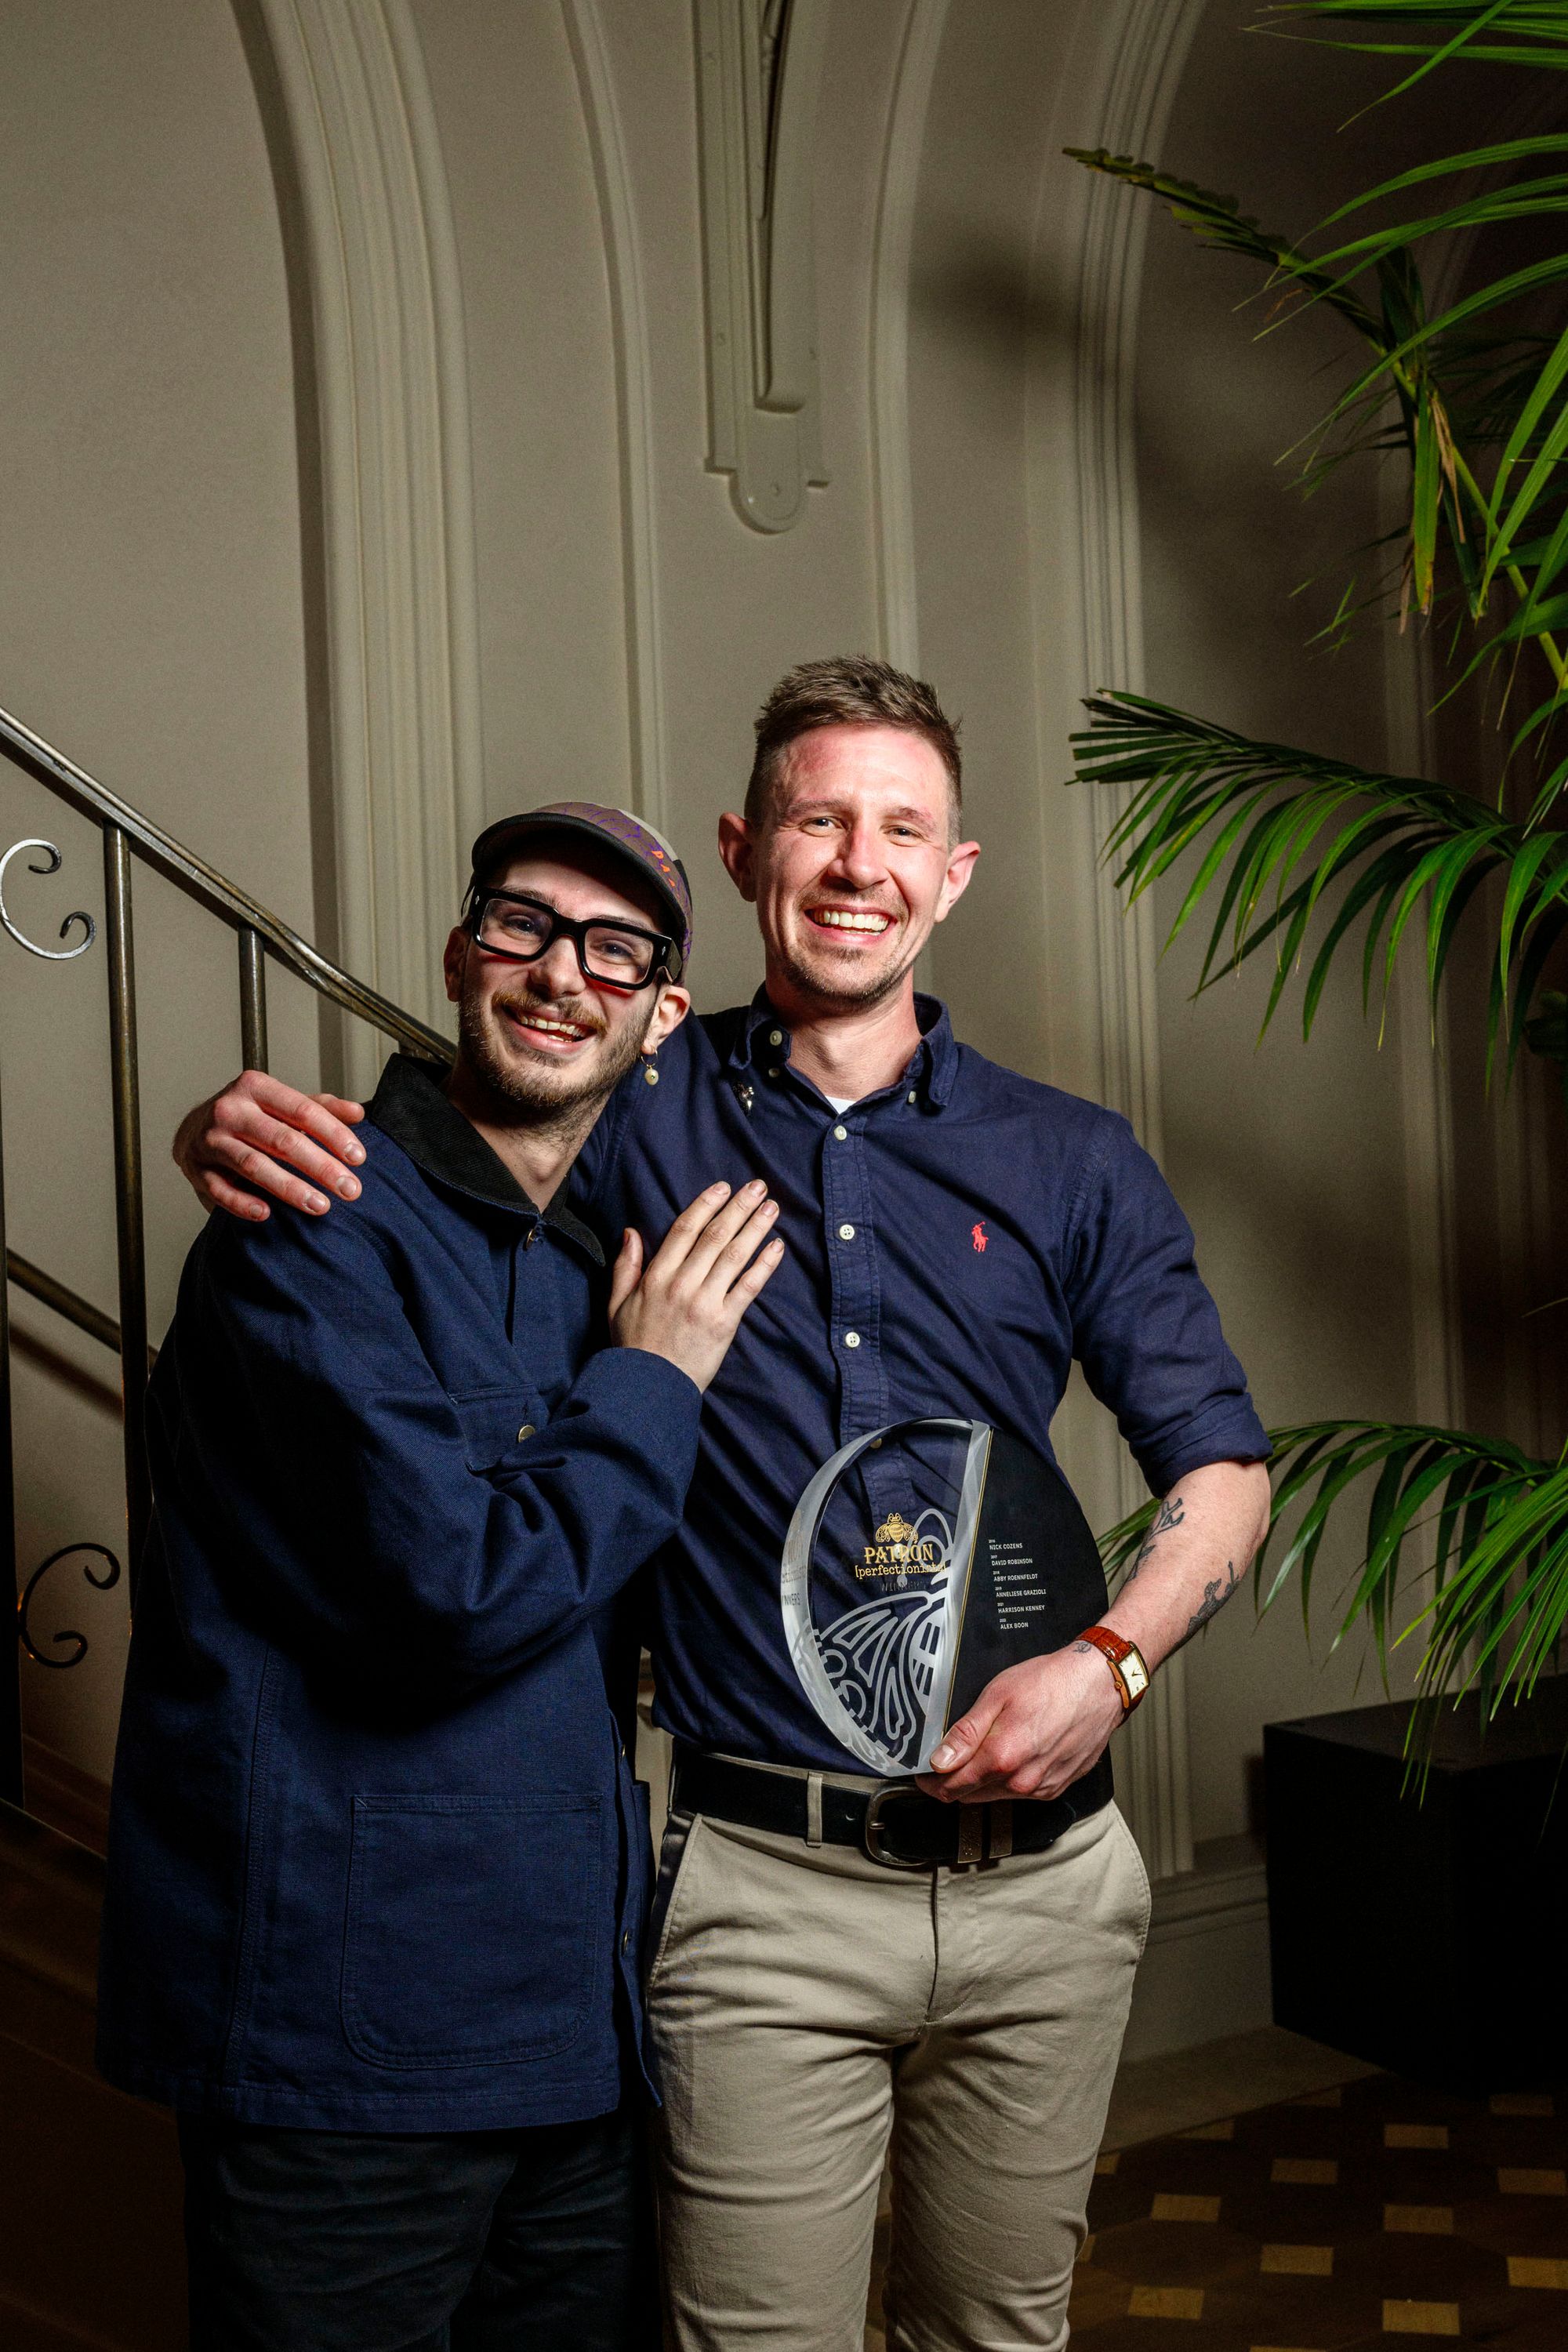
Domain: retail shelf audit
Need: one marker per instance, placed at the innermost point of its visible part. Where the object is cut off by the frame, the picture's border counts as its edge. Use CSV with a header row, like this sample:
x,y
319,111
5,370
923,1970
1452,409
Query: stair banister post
x,y
126,1082
252,1000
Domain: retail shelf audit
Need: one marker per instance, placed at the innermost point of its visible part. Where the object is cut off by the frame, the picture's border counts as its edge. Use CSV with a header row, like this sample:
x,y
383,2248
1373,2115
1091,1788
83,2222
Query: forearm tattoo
x,y
1171,1514
1216,1595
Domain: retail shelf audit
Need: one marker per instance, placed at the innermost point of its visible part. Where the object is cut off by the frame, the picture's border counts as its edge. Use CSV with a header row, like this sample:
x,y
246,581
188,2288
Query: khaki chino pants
x,y
809,2008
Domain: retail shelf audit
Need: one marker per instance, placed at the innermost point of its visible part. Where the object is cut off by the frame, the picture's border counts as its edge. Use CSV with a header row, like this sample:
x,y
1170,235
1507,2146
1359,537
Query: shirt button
x,y
846,1232
775,1071
526,1431
912,1096
852,1339
841,1134
626,1943
775,1037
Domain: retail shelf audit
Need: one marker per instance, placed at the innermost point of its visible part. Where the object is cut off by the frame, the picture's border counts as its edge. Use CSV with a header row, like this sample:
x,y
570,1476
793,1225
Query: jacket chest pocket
x,y
497,1422
471,1928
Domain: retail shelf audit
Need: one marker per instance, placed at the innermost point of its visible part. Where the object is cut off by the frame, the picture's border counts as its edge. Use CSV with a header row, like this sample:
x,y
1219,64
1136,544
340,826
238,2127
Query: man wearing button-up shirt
x,y
948,1973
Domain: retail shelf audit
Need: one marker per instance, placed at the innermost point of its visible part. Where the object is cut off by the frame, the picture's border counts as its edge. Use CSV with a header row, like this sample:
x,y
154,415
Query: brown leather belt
x,y
892,1820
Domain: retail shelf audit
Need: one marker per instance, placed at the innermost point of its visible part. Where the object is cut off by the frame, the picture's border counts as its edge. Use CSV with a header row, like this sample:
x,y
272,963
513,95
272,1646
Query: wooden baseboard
x,y
1205,1967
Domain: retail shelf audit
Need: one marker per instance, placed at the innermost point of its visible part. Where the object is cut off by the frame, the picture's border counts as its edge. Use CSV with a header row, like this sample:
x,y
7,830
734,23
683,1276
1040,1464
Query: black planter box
x,y
1426,1932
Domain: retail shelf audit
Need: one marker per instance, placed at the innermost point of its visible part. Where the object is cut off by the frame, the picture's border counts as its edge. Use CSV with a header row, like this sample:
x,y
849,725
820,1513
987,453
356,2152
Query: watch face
x,y
1135,1675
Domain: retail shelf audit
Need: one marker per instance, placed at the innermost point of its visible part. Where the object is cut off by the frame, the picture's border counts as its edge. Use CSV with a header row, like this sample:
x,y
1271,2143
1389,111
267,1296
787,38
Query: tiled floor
x,y
1331,2222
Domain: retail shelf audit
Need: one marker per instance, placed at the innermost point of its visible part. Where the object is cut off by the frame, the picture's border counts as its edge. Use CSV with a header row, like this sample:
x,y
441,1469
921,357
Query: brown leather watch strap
x,y
1113,1649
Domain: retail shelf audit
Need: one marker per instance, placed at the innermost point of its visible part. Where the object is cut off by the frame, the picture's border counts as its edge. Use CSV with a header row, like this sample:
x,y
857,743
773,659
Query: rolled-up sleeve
x,y
384,1521
1145,1329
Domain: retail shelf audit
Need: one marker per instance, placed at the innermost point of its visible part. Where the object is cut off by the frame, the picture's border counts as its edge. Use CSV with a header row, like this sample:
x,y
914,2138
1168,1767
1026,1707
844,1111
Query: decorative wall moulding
x,y
1123,76
633,401
760,76
397,492
892,480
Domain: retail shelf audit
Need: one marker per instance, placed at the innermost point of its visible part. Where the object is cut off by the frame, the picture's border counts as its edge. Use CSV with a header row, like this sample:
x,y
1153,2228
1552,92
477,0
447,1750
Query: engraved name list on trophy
x,y
922,1562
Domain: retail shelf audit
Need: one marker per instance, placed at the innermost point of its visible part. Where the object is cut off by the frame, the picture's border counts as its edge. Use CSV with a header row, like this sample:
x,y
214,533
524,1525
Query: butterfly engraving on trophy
x,y
881,1656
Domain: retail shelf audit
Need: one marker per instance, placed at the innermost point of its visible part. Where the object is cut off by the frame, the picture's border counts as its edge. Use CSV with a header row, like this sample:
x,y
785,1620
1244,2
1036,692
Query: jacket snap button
x,y
526,1431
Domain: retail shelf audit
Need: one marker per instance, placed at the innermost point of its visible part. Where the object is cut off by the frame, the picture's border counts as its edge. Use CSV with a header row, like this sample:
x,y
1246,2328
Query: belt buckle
x,y
871,1830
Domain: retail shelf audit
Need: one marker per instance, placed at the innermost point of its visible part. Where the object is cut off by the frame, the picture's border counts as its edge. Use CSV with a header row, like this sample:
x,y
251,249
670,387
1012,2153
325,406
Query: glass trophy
x,y
922,1560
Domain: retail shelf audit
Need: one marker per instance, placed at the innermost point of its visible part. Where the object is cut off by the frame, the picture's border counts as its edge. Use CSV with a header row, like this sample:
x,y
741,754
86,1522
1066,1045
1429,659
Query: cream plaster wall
x,y
971,320
151,624
541,381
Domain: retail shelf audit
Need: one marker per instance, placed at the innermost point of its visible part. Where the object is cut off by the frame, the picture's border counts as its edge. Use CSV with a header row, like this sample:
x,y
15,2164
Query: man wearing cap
x,y
844,1967
377,1861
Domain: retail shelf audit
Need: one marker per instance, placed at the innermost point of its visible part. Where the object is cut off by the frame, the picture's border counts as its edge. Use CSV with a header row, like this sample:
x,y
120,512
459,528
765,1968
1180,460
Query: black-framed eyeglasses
x,y
506,923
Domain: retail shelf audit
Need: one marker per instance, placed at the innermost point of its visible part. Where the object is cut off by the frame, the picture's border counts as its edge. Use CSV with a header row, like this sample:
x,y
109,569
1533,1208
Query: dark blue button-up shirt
x,y
953,1243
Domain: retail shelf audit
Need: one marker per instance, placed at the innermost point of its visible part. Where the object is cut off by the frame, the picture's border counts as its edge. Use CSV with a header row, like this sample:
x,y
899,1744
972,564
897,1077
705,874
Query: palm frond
x,y
1218,221
1504,32
1475,391
1489,1524
1284,832
1465,1539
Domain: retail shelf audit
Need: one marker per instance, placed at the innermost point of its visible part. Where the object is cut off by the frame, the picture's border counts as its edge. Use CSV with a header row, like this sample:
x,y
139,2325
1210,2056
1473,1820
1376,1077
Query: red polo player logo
x,y
978,1235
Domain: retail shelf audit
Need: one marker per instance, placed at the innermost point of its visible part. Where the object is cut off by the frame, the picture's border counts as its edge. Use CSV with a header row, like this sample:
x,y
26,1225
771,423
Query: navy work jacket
x,y
376,1859
953,1243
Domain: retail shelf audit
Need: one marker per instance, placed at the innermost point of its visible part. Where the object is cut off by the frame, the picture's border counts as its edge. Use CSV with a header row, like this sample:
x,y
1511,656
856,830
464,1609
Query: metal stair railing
x,y
127,836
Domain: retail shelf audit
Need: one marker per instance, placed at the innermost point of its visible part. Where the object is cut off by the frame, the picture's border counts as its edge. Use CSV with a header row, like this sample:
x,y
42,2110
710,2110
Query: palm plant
x,y
1312,857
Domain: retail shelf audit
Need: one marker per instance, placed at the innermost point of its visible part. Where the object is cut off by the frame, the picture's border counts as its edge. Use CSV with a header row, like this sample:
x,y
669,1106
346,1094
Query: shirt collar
x,y
410,1105
933,1064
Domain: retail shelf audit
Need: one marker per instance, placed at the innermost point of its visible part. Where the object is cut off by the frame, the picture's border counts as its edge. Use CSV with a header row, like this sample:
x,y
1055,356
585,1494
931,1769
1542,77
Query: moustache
x,y
551,1008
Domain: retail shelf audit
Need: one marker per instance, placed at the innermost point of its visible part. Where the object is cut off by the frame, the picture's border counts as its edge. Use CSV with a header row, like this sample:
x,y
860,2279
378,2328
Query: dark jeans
x,y
463,2242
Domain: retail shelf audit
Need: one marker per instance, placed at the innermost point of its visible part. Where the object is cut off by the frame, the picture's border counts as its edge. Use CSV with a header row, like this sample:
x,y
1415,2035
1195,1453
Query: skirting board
x,y
1206,1966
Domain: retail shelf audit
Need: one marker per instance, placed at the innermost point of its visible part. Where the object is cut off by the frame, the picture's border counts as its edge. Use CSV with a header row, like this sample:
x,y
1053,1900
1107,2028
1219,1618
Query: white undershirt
x,y
841,1102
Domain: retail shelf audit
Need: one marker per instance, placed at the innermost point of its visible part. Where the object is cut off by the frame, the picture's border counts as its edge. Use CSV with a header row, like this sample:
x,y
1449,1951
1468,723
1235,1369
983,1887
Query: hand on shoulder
x,y
258,1138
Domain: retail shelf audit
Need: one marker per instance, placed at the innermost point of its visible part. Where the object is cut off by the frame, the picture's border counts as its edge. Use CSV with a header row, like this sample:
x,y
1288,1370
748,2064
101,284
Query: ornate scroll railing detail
x,y
127,837
49,955
67,1634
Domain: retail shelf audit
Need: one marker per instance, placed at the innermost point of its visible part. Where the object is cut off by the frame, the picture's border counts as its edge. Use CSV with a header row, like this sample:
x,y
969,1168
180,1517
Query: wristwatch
x,y
1125,1660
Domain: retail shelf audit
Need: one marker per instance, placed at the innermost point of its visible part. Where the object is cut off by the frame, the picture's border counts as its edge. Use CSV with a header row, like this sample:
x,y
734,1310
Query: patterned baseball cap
x,y
635,839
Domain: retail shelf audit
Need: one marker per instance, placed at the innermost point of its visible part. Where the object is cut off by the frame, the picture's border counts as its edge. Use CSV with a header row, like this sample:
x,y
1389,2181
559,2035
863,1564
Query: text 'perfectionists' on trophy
x,y
922,1560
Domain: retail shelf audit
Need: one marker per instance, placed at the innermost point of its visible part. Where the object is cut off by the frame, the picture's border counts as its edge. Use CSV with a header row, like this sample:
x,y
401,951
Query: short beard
x,y
529,1098
869,990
